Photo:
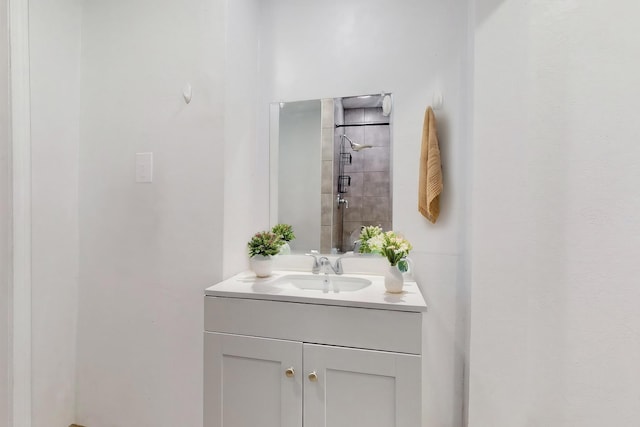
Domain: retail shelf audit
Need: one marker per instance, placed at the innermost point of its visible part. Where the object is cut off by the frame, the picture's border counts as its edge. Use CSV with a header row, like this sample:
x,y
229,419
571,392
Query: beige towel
x,y
430,170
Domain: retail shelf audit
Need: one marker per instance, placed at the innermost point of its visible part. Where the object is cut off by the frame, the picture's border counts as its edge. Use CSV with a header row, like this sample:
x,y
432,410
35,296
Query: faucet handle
x,y
342,201
315,254
316,263
338,268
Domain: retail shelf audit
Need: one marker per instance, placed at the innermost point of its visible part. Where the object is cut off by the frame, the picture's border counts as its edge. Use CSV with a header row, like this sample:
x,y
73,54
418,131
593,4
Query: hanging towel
x,y
430,185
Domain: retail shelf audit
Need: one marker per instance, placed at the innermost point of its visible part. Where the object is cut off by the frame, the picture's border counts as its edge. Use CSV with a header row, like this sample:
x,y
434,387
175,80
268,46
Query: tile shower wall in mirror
x,y
364,178
328,186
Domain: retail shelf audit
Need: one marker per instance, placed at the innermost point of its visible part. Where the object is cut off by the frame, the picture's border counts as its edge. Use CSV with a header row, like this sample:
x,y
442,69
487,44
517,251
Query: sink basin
x,y
325,283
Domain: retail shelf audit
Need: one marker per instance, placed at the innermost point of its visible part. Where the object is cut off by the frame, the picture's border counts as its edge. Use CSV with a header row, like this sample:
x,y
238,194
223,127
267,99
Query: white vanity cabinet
x,y
246,381
360,387
288,364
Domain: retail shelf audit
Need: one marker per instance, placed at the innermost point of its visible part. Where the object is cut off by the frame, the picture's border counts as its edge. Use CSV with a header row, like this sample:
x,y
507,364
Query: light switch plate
x,y
144,167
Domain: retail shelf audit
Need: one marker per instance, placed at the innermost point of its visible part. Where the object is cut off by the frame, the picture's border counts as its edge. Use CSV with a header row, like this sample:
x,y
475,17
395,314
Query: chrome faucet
x,y
320,264
325,262
316,262
342,201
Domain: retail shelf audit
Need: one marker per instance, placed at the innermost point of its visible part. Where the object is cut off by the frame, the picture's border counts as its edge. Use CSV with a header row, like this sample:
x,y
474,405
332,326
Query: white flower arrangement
x,y
388,244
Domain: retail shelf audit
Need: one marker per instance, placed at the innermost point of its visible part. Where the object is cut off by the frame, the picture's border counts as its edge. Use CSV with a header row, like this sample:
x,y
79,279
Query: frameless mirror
x,y
330,167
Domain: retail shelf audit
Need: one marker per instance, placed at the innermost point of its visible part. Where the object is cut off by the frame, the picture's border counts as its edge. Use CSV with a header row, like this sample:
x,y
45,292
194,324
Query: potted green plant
x,y
262,247
393,247
285,231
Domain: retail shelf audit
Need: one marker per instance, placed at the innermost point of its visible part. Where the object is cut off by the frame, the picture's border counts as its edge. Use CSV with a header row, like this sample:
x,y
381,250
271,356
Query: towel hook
x,y
438,101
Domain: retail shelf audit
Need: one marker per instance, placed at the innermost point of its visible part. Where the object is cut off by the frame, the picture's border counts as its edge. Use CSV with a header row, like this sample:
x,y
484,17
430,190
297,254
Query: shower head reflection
x,y
354,145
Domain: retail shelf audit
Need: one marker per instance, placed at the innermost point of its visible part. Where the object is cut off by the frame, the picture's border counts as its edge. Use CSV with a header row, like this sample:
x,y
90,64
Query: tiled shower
x,y
365,174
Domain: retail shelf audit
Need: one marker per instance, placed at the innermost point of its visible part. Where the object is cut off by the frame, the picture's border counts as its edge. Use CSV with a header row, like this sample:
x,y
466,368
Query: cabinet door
x,y
246,382
360,388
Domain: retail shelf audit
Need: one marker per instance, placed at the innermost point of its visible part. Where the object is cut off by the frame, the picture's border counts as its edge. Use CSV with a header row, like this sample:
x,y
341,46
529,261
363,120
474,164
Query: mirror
x,y
330,168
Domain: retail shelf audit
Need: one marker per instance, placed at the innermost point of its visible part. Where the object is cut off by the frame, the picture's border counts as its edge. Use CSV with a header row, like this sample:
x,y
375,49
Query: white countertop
x,y
247,285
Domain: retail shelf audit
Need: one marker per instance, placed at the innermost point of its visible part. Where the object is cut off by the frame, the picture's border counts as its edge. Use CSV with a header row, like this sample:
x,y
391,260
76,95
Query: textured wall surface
x,y
5,213
555,325
147,251
54,37
244,198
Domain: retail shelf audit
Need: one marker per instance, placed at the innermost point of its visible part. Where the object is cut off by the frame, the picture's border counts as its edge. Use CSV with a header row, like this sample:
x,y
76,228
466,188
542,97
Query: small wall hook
x,y
438,101
187,93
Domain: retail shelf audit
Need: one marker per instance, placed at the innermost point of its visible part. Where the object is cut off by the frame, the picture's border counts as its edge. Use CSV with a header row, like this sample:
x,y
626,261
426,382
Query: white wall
x,y
5,215
55,76
411,48
147,251
299,172
555,319
242,218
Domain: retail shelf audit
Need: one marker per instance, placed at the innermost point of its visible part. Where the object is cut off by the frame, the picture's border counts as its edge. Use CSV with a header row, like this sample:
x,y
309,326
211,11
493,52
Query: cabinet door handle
x,y
290,372
313,376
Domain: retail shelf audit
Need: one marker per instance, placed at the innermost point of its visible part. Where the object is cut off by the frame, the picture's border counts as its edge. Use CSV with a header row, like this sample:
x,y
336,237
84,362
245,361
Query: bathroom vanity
x,y
297,349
